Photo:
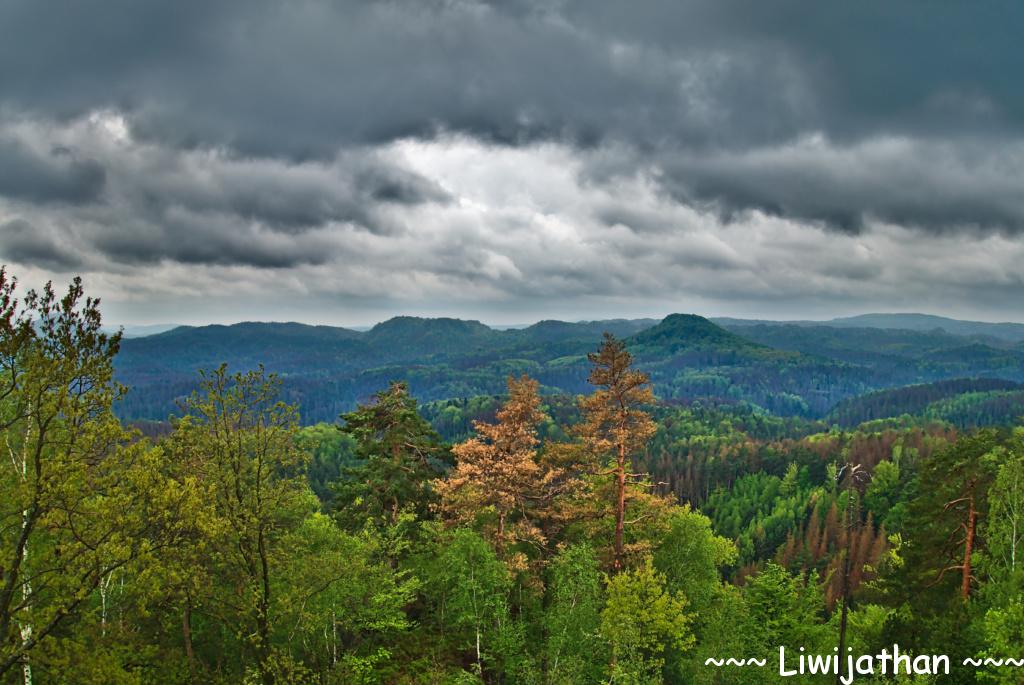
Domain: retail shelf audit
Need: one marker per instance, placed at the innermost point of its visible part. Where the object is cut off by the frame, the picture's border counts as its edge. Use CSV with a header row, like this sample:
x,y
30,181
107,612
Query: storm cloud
x,y
54,175
527,157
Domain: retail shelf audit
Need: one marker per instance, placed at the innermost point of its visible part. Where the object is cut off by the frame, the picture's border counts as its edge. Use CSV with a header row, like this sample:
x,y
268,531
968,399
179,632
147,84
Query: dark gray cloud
x,y
278,194
205,240
689,79
56,175
310,75
202,206
869,66
28,244
930,185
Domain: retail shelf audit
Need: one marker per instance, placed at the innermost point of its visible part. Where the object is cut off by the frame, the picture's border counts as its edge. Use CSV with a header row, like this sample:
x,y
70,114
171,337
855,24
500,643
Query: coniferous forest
x,y
610,535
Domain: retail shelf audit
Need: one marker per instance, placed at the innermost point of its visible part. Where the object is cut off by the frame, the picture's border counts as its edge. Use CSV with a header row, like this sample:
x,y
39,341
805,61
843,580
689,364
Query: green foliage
x,y
884,494
344,600
330,453
398,454
1005,523
690,556
79,501
787,610
1003,629
756,513
470,586
238,440
641,622
572,618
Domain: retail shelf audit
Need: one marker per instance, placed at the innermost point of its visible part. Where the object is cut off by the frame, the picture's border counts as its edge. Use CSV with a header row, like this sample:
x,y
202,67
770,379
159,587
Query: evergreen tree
x,y
497,474
616,426
399,455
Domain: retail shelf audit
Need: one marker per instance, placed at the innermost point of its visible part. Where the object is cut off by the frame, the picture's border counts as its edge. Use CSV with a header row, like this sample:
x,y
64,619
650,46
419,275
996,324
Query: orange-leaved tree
x,y
497,477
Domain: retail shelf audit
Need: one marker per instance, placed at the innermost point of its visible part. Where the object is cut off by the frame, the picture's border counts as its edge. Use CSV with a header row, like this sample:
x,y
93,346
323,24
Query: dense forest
x,y
615,513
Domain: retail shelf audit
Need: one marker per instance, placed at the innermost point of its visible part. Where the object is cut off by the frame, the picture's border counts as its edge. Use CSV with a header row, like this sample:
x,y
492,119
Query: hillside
x,y
688,333
328,369
410,337
904,356
689,357
963,401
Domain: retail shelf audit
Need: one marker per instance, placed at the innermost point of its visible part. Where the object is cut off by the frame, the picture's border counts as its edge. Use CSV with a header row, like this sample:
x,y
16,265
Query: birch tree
x,y
1005,529
80,500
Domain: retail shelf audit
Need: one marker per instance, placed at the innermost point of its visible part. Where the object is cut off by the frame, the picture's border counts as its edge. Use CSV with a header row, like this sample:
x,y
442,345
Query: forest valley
x,y
606,536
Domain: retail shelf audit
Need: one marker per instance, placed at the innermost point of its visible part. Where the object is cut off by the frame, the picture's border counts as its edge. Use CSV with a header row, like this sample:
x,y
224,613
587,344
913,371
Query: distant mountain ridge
x,y
1010,331
783,368
141,330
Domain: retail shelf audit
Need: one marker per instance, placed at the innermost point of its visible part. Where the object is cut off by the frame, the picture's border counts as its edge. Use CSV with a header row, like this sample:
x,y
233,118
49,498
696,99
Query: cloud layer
x,y
343,161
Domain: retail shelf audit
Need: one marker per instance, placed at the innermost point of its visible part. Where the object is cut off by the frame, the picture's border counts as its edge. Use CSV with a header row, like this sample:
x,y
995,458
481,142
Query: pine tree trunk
x,y
845,598
972,517
620,509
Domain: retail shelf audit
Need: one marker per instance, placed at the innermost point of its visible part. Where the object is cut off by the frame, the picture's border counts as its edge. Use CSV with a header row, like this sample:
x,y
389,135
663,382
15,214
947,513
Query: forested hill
x,y
788,370
963,402
923,323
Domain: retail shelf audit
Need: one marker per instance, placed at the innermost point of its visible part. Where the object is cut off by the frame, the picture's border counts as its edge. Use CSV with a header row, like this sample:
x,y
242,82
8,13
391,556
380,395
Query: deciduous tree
x,y
79,499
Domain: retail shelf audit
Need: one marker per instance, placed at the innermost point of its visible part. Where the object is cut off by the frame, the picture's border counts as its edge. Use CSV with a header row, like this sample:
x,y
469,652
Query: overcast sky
x,y
345,161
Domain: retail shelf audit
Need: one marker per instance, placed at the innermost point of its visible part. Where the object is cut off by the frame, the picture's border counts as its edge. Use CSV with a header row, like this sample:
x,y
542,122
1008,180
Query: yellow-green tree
x,y
640,622
80,500
238,441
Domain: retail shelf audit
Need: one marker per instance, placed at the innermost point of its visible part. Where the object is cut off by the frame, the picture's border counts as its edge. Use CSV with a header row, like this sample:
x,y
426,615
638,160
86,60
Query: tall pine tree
x,y
616,427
